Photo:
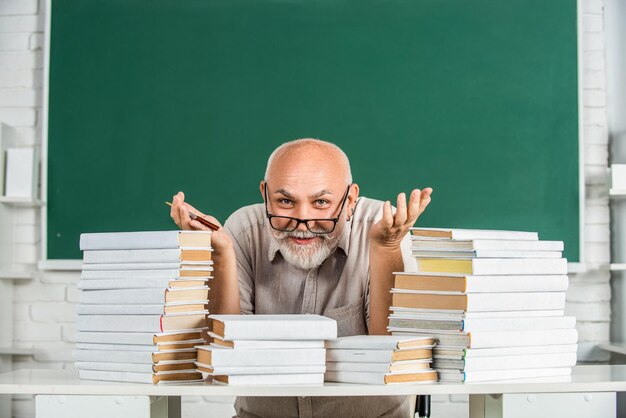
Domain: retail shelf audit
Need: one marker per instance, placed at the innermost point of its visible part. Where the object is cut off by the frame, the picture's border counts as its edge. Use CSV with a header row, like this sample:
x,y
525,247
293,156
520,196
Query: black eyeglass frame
x,y
306,221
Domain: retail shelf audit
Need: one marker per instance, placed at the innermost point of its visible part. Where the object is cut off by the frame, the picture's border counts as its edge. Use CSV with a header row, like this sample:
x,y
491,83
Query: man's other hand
x,y
389,231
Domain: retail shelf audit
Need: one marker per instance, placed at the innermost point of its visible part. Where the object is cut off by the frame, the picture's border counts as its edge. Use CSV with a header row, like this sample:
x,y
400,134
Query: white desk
x,y
64,384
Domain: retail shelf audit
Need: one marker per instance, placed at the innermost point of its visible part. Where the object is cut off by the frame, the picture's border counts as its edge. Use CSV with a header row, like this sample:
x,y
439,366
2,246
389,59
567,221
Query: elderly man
x,y
315,247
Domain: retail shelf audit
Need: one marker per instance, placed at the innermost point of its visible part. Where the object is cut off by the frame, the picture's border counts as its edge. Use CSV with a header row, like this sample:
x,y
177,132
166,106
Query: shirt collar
x,y
343,245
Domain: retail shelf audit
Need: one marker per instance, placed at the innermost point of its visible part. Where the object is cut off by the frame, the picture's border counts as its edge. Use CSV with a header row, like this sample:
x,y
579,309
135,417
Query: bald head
x,y
308,156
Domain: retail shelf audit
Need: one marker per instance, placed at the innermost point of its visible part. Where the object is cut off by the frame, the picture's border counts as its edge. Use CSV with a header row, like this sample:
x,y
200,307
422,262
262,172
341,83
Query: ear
x,y
353,195
262,186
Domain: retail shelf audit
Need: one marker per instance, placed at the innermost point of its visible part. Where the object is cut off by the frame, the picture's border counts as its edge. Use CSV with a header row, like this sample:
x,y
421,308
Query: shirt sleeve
x,y
244,270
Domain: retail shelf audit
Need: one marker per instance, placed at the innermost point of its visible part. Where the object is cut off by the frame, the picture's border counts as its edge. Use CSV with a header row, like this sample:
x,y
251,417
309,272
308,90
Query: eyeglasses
x,y
315,226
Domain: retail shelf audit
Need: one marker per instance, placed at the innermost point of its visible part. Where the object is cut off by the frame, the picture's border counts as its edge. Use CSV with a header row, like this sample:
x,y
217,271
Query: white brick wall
x,y
44,307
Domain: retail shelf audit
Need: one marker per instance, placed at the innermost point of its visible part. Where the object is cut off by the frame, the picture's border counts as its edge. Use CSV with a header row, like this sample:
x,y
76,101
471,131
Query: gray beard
x,y
305,257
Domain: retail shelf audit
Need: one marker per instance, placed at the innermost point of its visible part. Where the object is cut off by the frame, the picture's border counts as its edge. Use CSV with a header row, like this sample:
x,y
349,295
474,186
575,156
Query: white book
x,y
144,296
371,378
135,274
479,302
148,266
144,240
96,284
141,323
523,350
272,357
271,379
496,339
472,234
138,338
494,375
264,344
486,254
136,367
265,370
486,244
493,266
480,284
442,314
532,361
134,377
141,357
128,347
379,342
168,255
399,367
273,327
376,356
152,309
486,324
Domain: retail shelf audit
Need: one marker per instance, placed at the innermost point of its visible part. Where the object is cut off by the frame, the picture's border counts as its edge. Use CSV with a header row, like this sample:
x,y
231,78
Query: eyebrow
x,y
314,196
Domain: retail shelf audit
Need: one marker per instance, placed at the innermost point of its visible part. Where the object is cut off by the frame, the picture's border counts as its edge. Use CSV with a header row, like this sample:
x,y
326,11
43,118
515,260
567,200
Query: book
x,y
178,376
144,240
494,339
457,353
264,344
459,315
141,323
273,327
485,244
377,356
385,367
266,370
178,345
96,284
124,356
271,379
152,309
144,296
493,266
135,274
213,356
472,234
531,361
481,284
493,375
380,342
136,367
486,254
372,378
479,302
147,256
177,265
486,324
139,338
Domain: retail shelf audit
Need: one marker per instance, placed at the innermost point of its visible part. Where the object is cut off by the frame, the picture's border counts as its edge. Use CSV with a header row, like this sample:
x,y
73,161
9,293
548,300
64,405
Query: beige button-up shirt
x,y
339,289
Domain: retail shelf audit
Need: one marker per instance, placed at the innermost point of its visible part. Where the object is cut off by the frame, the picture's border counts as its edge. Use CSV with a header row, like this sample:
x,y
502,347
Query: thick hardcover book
x,y
378,356
458,353
480,284
140,338
458,315
370,378
141,323
486,254
177,265
169,255
136,367
395,367
493,266
486,324
472,234
485,244
265,370
153,309
272,357
142,357
273,327
97,284
271,379
135,274
479,302
264,344
144,240
380,342
532,361
147,296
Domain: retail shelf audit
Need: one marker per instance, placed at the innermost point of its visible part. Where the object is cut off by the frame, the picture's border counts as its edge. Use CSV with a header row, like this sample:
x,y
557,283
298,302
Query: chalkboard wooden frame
x,y
72,264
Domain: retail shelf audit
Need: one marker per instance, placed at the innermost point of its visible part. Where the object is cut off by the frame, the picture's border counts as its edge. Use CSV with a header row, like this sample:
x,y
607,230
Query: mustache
x,y
300,234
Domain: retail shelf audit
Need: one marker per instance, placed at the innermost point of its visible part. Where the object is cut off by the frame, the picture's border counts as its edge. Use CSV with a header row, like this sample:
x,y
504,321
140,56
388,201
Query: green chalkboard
x,y
477,99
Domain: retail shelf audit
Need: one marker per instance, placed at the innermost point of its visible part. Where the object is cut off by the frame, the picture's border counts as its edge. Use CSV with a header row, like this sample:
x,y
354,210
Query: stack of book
x,y
143,305
380,359
266,349
493,299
